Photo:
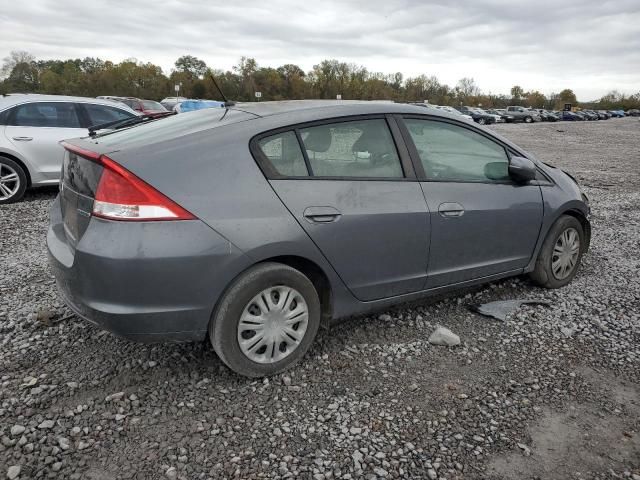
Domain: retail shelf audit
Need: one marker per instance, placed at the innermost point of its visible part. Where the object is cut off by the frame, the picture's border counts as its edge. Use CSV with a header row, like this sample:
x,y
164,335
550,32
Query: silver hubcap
x,y
273,324
9,182
565,253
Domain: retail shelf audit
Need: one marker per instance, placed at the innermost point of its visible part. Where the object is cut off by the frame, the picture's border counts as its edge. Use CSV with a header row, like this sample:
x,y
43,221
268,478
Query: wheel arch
x,y
19,162
584,221
314,273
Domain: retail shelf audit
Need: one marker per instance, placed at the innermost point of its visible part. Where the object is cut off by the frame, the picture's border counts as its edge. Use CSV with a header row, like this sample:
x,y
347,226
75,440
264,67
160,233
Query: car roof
x,y
12,99
308,110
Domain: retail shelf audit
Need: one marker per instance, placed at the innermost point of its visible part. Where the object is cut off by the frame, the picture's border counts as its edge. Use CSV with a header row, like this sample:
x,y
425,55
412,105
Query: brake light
x,y
121,195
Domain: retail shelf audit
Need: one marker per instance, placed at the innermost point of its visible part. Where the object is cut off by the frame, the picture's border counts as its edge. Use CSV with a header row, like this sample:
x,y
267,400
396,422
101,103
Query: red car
x,y
145,107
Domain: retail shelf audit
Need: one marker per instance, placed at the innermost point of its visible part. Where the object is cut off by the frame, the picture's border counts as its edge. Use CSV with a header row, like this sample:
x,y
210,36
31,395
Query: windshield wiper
x,y
128,122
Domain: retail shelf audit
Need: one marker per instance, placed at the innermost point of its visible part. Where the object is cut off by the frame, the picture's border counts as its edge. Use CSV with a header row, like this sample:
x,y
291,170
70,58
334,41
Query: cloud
x,y
591,46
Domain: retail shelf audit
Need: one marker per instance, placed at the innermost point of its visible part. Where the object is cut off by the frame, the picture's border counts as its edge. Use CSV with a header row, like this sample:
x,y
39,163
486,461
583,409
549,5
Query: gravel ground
x,y
553,392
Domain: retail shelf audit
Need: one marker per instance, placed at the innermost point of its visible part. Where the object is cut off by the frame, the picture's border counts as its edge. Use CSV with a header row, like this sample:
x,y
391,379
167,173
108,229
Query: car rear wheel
x,y
528,119
482,121
13,181
561,254
266,321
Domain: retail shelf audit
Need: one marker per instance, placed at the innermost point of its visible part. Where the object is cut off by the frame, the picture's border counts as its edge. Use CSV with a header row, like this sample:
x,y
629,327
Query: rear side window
x,y
99,114
284,154
363,148
454,153
45,114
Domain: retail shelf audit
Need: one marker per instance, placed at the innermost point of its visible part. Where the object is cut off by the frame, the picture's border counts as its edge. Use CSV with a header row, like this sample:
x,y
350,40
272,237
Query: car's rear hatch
x,y
87,163
79,181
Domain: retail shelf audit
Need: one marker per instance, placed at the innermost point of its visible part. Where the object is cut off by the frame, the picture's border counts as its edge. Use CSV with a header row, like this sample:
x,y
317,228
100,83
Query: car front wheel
x,y
528,119
266,321
13,181
561,253
482,121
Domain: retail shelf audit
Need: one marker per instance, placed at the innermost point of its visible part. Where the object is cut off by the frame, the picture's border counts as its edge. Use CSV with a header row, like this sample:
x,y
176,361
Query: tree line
x,y
22,72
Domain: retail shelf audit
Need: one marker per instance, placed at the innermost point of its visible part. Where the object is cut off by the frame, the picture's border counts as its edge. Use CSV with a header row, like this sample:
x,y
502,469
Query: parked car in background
x,y
144,107
478,116
522,114
281,215
191,105
547,116
453,111
634,112
171,102
497,117
502,113
602,115
589,115
571,116
31,127
616,113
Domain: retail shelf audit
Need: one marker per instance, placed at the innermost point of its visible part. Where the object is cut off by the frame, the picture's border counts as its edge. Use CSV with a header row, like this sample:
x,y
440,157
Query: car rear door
x,y
482,222
35,129
355,194
98,114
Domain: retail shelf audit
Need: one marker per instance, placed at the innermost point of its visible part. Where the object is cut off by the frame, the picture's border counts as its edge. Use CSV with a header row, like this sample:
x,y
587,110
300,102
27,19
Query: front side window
x,y
363,148
99,114
453,153
284,154
45,114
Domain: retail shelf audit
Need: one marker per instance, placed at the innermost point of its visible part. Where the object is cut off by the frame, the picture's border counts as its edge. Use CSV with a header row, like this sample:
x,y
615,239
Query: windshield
x,y
151,105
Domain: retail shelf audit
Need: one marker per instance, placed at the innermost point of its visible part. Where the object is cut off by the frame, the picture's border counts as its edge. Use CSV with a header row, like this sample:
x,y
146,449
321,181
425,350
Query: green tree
x,y
191,65
536,99
566,96
517,93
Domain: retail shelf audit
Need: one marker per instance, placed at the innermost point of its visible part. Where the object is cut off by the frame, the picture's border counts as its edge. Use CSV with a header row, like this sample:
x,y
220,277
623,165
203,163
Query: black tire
x,y
22,180
223,327
543,273
528,119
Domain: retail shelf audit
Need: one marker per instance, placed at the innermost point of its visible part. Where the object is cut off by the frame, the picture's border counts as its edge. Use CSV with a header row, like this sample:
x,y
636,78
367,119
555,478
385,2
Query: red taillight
x,y
121,195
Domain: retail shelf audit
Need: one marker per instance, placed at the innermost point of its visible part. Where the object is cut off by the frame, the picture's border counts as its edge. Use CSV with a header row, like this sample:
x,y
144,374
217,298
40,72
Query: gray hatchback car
x,y
252,225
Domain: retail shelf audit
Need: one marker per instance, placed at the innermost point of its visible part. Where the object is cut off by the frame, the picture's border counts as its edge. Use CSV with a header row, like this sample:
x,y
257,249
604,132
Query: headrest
x,y
318,140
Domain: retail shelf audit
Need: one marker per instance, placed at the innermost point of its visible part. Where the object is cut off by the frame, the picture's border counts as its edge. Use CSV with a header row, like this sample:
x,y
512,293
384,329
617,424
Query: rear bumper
x,y
147,281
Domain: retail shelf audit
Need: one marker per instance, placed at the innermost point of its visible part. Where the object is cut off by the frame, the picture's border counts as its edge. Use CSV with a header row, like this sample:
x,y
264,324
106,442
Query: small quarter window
x,y
284,154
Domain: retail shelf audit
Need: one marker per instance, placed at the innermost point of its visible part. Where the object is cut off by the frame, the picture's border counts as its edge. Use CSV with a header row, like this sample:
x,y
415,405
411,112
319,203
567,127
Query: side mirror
x,y
522,169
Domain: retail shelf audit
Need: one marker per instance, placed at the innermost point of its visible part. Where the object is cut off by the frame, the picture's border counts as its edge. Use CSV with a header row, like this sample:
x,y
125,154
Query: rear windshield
x,y
172,127
151,105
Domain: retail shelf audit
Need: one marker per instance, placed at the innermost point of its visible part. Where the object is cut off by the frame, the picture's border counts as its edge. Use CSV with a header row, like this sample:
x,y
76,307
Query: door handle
x,y
23,139
321,214
451,210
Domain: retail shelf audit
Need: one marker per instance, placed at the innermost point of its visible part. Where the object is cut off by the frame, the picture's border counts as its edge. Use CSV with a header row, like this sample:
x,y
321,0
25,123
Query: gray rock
x,y
444,336
17,430
46,425
171,473
13,472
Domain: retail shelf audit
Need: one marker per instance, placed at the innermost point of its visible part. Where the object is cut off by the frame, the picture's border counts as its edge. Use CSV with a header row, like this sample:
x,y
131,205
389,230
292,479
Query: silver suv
x,y
31,126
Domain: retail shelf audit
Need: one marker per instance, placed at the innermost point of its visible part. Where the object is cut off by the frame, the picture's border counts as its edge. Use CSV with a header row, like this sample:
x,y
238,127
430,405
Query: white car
x,y
31,127
446,108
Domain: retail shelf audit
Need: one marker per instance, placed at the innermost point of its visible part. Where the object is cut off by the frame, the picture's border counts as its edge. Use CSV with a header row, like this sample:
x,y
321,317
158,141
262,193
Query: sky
x,y
590,46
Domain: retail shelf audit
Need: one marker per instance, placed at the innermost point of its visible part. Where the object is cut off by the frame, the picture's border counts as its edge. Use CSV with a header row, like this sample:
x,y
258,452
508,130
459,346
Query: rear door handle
x,y
23,139
451,209
321,214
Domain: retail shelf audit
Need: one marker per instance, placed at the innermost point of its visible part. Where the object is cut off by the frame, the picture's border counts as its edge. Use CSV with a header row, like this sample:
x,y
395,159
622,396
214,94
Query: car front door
x,y
482,222
34,129
356,196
